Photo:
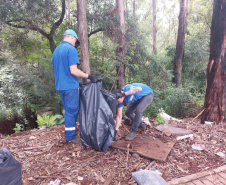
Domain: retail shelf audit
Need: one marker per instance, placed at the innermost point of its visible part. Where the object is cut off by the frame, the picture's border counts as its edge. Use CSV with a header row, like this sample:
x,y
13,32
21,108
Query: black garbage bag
x,y
97,116
10,169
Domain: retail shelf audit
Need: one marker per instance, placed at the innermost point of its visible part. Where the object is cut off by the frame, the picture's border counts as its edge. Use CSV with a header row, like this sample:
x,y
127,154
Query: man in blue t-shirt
x,y
65,65
138,96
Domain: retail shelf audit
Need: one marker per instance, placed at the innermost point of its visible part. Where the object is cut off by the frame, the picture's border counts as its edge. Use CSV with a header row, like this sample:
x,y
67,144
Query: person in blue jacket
x,y
138,96
65,63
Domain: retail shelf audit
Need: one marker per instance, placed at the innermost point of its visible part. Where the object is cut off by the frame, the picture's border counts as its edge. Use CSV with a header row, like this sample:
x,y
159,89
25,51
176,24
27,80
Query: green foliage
x,y
45,121
26,46
177,102
28,82
3,60
159,119
58,121
18,128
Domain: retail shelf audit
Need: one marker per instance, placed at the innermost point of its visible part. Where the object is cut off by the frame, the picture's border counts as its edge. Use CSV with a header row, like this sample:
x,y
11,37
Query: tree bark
x,y
154,26
0,34
69,9
121,49
215,98
83,36
134,9
179,54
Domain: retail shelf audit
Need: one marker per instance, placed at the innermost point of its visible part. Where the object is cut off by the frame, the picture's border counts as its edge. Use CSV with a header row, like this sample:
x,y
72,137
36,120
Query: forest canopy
x,y
30,31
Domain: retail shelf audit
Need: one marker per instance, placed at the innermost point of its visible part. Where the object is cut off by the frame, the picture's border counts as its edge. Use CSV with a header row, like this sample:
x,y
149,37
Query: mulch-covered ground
x,y
45,156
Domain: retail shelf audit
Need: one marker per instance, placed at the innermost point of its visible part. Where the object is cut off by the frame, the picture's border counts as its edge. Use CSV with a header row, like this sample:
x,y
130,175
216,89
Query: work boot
x,y
142,125
130,136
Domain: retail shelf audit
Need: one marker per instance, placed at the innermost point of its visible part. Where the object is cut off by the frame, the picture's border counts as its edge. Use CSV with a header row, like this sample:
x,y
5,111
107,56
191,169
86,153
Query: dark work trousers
x,y
135,110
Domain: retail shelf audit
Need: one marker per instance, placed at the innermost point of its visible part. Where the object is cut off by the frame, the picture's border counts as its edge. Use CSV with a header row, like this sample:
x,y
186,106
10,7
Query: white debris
x,y
56,182
208,123
146,120
198,146
221,154
184,137
167,117
80,178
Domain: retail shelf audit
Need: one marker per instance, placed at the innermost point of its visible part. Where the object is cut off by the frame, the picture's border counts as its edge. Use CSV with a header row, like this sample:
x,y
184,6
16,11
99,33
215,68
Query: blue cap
x,y
70,32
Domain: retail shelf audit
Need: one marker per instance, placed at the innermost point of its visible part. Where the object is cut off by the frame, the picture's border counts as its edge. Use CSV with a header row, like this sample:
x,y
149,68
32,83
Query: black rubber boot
x,y
130,136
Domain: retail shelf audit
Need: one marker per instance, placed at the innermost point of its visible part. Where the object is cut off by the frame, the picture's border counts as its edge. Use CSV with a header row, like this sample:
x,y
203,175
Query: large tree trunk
x,y
179,54
215,98
154,26
121,49
83,36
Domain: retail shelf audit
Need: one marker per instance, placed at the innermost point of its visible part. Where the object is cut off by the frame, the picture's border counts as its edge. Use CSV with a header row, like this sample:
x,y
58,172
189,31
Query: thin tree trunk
x,y
83,36
0,34
215,98
154,26
121,49
69,9
179,54
134,9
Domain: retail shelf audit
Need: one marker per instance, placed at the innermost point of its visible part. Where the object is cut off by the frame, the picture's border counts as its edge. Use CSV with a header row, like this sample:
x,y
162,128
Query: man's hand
x,y
92,78
120,95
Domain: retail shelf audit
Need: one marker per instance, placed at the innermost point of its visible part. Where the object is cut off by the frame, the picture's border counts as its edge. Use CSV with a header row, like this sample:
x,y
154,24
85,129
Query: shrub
x,y
177,102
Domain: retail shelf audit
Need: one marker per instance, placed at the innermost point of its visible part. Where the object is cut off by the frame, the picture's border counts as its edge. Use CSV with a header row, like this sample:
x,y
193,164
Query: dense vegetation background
x,y
29,30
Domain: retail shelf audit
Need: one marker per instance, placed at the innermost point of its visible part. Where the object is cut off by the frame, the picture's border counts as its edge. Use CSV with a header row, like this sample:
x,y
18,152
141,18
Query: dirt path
x,y
45,156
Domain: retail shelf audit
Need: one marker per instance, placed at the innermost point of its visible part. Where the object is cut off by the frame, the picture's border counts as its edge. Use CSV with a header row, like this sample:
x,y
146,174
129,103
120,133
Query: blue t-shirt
x,y
134,97
63,57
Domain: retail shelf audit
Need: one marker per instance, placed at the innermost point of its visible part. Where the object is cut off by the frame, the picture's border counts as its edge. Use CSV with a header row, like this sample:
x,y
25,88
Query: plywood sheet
x,y
147,147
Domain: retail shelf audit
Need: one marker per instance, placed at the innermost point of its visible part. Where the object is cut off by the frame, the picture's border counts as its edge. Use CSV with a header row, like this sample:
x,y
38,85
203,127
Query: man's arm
x,y
134,90
77,72
118,118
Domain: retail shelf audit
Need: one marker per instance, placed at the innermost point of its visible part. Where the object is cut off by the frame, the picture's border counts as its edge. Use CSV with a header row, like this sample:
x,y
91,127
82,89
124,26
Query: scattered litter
x,y
208,122
198,146
56,182
32,137
167,117
221,154
148,177
80,178
146,120
185,137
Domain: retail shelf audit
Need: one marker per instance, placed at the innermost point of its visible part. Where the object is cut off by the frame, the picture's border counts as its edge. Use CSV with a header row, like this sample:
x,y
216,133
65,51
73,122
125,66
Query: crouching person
x,y
138,96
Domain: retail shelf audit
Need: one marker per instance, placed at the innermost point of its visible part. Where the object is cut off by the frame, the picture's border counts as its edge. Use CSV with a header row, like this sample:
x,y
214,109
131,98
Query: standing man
x,y
138,96
65,65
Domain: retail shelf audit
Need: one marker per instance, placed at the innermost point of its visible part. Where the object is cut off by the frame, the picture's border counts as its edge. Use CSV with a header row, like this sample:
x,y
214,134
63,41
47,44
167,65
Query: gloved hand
x,y
92,78
119,95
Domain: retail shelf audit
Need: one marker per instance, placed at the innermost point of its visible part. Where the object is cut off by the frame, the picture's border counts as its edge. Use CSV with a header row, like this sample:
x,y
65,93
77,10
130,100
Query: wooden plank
x,y
147,147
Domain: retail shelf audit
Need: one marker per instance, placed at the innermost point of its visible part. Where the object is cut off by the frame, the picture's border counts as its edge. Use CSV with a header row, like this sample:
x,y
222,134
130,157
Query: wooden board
x,y
147,147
